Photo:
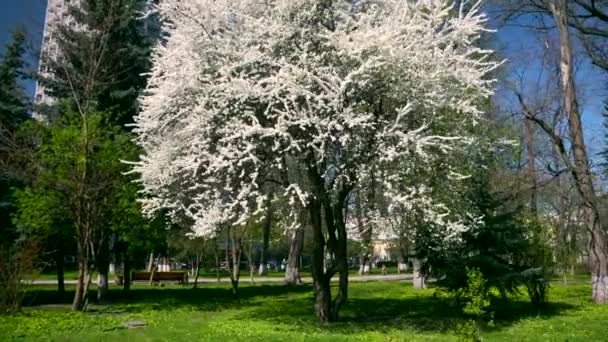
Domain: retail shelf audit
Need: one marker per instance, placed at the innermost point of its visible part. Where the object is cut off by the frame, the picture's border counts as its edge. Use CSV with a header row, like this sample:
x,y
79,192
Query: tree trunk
x,y
150,262
404,253
531,165
599,266
217,261
78,302
197,270
59,262
419,281
153,269
266,237
126,285
322,290
292,270
326,309
364,263
234,262
365,232
103,263
102,285
580,168
82,285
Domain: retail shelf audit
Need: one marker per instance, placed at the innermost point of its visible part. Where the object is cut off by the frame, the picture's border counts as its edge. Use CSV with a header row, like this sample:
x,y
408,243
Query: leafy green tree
x,y
79,176
97,72
40,213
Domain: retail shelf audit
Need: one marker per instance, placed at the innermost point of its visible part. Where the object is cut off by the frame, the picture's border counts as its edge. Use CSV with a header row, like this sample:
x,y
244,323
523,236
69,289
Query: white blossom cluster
x,y
344,87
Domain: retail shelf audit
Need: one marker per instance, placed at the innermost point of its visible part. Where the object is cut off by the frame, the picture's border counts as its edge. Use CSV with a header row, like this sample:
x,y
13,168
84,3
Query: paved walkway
x,y
246,279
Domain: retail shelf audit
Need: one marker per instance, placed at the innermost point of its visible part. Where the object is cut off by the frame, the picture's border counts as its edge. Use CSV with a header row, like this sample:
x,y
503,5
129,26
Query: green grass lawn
x,y
378,311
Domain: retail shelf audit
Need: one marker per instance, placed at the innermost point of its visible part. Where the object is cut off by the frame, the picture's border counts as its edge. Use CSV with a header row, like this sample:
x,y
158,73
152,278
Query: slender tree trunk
x,y
153,270
197,270
150,262
419,281
102,285
531,165
322,290
103,263
266,237
59,262
78,302
251,263
403,255
126,285
326,309
84,268
580,169
292,270
82,284
87,283
365,232
234,261
217,261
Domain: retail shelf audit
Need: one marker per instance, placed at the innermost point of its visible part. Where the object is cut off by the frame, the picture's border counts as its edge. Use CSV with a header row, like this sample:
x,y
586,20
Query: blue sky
x,y
516,40
519,43
29,14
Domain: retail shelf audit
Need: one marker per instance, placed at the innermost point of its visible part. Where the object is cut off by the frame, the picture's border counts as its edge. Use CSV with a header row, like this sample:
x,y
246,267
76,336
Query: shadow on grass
x,y
141,298
423,313
369,308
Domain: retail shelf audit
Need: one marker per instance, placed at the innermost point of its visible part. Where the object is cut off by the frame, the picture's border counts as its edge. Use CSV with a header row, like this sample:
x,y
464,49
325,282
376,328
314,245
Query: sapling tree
x,y
332,90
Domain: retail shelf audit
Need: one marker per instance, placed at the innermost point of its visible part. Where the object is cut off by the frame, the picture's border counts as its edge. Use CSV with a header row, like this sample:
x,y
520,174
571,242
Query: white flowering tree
x,y
243,91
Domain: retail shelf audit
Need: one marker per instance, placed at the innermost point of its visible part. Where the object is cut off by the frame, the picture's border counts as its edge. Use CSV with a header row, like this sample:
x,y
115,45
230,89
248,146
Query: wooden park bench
x,y
179,276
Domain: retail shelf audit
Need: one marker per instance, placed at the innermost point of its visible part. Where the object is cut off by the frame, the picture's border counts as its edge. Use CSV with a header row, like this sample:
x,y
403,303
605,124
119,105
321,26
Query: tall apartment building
x,y
56,14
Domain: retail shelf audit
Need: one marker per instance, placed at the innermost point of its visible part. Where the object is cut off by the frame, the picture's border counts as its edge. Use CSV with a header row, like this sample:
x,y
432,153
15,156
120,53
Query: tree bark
x,y
322,290
531,165
216,254
103,263
153,269
332,210
580,168
197,270
263,270
59,262
102,285
234,261
418,281
150,262
82,285
126,285
292,270
78,301
85,248
365,232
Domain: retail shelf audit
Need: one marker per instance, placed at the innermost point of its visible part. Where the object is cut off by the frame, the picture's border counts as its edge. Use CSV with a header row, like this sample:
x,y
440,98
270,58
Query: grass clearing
x,y
376,311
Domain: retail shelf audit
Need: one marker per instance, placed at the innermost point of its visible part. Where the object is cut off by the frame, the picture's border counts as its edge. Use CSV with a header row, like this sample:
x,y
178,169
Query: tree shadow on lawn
x,y
143,298
293,306
422,313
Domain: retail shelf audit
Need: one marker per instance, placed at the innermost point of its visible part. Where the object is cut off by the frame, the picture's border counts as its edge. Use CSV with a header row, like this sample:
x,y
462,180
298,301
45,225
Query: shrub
x,y
476,297
18,261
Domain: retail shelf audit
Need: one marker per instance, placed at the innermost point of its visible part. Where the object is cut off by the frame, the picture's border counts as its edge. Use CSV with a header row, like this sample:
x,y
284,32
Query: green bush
x,y
476,297
18,261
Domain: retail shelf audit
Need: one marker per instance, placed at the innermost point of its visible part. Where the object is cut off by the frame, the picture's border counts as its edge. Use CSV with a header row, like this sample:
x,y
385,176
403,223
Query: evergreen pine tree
x,y
13,111
13,100
102,57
